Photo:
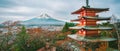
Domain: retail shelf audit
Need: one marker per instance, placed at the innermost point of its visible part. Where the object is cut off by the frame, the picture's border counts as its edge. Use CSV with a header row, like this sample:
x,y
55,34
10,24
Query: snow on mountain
x,y
43,19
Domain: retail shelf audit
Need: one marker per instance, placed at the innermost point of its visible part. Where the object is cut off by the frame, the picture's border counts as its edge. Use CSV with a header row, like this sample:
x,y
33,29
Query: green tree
x,y
21,40
25,42
106,24
66,27
36,43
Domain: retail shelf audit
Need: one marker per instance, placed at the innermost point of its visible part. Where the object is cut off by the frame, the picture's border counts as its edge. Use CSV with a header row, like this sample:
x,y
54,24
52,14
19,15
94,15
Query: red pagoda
x,y
88,30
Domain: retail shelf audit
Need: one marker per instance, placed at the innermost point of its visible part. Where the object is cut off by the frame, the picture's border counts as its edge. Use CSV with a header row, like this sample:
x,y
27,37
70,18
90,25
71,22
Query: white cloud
x,y
20,9
15,18
59,9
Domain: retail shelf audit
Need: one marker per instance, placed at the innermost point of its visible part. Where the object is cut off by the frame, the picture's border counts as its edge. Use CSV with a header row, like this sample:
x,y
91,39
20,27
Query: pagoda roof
x,y
76,27
98,18
98,28
100,39
91,28
97,10
75,20
95,18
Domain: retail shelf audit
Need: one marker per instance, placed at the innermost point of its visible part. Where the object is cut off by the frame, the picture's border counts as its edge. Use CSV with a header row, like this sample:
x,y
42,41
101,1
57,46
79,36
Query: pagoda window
x,y
82,32
82,13
79,17
85,13
79,32
83,22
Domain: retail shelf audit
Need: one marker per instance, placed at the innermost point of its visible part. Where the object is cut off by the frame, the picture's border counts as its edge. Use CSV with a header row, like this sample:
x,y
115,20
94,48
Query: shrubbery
x,y
22,42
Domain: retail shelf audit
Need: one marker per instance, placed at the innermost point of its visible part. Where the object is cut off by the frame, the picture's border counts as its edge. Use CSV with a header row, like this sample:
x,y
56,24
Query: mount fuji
x,y
43,20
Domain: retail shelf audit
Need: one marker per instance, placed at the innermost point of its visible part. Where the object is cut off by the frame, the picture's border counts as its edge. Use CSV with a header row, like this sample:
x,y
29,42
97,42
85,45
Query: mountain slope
x,y
43,20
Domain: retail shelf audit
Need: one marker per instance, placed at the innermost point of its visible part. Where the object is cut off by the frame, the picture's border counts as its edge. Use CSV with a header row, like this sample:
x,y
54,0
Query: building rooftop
x,y
97,10
91,28
75,37
95,18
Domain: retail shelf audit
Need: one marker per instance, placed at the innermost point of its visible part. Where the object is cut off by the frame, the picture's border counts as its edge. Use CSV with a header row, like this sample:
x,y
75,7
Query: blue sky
x,y
59,9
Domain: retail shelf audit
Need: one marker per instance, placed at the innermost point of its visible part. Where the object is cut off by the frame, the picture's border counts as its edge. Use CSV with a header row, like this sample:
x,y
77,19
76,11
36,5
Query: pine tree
x,y
21,40
66,27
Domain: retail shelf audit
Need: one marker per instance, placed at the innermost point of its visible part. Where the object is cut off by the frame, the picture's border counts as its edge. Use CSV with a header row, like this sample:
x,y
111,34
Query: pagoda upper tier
x,y
90,10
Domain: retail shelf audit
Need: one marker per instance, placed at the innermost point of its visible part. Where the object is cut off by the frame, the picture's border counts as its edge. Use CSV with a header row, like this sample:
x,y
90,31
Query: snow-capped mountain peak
x,y
45,15
43,19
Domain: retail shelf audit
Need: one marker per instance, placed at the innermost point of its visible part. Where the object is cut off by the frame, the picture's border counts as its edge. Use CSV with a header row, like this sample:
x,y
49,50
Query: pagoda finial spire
x,y
87,3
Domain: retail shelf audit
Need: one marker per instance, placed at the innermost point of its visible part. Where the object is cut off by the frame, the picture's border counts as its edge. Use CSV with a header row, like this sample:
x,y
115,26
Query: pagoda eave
x,y
74,36
97,10
76,27
75,20
97,18
91,28
98,28
93,18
